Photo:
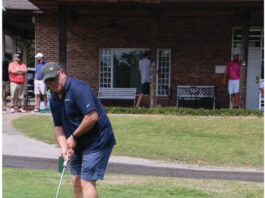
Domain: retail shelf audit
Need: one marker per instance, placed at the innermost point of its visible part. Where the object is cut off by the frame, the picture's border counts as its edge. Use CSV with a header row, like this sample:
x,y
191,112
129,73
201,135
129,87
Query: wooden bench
x,y
196,93
117,93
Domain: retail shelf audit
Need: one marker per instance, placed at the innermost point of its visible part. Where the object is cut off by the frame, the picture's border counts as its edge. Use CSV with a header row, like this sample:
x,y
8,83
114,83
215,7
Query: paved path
x,y
23,152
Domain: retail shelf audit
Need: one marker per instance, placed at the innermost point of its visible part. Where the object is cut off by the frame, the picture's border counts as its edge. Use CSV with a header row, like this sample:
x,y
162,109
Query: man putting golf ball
x,y
81,127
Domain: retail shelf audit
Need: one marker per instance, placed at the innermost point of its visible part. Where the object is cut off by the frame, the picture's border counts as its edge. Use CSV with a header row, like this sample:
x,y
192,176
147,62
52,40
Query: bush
x,y
184,111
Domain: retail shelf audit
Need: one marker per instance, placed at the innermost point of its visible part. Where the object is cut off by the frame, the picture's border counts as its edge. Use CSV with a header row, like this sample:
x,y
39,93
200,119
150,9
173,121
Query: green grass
x,y
223,141
30,183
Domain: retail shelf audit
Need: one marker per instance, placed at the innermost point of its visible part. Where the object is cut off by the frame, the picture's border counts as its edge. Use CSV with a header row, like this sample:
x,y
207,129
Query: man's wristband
x,y
75,137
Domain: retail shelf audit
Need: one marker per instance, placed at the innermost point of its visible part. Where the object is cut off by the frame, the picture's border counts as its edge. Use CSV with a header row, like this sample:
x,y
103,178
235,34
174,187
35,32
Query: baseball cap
x,y
39,55
236,54
50,70
16,55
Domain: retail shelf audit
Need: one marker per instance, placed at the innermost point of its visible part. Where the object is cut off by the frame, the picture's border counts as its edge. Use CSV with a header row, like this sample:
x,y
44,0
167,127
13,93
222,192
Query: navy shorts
x,y
91,165
146,88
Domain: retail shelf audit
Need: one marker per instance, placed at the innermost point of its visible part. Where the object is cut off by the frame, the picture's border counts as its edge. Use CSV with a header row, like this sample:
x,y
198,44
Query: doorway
x,y
253,78
255,63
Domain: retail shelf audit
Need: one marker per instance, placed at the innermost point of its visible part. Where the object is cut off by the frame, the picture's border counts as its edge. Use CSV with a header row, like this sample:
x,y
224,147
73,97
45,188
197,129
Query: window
x,y
163,82
125,68
105,72
254,37
119,69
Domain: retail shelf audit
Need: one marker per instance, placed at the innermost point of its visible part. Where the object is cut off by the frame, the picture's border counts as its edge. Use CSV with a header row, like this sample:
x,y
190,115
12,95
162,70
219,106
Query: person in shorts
x,y
232,71
39,85
145,71
17,74
82,129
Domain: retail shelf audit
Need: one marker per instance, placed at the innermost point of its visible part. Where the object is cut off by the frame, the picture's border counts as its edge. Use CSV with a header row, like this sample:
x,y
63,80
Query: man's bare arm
x,y
61,140
87,123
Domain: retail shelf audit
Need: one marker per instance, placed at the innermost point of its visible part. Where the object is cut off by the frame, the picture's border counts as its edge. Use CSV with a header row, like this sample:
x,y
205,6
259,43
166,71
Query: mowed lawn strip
x,y
221,141
30,183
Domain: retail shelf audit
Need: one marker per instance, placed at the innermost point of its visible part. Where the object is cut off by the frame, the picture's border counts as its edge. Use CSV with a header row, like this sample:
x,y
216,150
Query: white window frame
x,y
169,72
111,66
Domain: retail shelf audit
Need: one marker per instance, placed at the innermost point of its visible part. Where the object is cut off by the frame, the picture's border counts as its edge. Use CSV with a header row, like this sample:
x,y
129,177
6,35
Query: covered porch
x,y
101,42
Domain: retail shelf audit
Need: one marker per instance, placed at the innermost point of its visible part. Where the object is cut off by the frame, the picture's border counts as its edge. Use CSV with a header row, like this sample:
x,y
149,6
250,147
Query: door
x,y
253,76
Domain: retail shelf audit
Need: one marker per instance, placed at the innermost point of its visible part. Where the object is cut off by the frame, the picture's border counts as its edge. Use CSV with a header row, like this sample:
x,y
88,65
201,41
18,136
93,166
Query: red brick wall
x,y
197,44
46,37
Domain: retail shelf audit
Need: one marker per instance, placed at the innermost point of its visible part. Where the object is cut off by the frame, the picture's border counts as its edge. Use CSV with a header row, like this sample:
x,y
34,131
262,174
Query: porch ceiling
x,y
19,25
46,5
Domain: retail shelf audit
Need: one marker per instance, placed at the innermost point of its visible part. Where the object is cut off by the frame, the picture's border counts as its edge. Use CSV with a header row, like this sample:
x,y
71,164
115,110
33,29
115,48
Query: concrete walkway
x,y
15,144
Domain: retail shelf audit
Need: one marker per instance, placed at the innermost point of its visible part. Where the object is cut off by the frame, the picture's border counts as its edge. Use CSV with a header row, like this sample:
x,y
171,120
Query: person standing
x,y
5,84
17,72
39,85
232,71
145,71
80,125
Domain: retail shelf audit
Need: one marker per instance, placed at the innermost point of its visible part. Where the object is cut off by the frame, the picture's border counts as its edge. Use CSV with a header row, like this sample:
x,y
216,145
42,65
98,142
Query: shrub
x,y
184,111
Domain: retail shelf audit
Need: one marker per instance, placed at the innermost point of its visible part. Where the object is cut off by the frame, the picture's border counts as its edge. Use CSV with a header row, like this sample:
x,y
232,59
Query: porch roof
x,y
169,4
17,17
19,5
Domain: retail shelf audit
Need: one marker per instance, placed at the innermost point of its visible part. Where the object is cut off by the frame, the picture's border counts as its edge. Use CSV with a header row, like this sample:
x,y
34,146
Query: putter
x,y
64,167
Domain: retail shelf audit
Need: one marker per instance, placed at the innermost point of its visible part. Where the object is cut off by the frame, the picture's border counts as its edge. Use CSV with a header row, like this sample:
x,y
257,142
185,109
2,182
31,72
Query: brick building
x,y
101,41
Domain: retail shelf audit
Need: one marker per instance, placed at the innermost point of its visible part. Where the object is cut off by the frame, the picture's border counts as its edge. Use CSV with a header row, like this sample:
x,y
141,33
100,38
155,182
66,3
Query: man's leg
x,y
12,102
77,186
43,90
236,99
6,95
139,100
233,99
89,189
20,94
15,102
45,100
3,98
12,93
37,106
5,92
19,102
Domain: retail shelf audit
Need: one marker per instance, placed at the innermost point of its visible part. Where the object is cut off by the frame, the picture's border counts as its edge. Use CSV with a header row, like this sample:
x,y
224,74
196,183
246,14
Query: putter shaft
x,y
60,182
64,167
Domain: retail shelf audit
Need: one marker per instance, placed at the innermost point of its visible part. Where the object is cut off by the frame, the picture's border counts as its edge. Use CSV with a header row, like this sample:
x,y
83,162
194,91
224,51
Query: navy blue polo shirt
x,y
38,69
78,100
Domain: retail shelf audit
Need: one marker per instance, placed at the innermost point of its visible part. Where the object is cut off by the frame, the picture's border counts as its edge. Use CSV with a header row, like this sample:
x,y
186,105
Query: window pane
x,y
125,71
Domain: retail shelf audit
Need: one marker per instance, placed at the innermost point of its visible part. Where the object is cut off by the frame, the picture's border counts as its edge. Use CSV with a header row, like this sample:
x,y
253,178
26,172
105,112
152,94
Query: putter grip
x,y
66,161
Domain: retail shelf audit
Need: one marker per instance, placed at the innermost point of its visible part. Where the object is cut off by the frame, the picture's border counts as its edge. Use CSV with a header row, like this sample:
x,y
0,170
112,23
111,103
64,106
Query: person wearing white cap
x,y
39,85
